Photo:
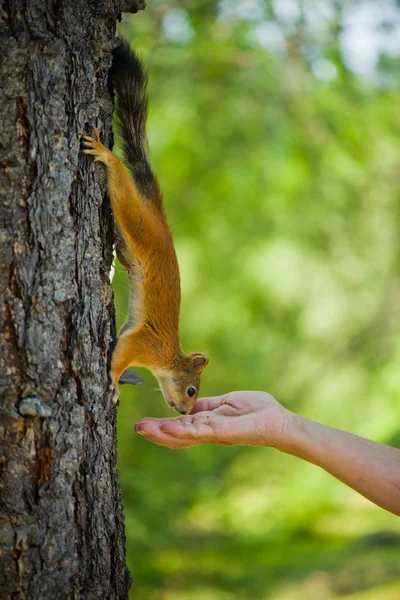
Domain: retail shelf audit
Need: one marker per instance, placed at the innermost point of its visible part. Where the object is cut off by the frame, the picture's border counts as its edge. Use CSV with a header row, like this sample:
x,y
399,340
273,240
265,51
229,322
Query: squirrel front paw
x,y
115,391
92,145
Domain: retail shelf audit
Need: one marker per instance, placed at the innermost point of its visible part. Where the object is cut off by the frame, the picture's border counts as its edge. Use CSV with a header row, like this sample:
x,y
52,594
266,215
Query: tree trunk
x,y
61,521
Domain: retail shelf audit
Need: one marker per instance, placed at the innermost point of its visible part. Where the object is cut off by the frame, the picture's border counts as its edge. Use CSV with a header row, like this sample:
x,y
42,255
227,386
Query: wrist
x,y
294,435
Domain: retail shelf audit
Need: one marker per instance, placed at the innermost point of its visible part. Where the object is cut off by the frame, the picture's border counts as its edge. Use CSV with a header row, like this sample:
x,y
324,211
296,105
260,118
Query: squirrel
x,y
150,337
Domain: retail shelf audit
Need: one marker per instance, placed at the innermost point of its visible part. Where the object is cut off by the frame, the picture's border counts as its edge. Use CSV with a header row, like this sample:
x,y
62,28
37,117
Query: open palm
x,y
249,418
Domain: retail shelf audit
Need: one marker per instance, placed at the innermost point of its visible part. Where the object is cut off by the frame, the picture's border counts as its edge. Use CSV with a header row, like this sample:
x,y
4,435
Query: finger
x,y
159,421
200,433
88,138
209,403
167,440
94,152
96,135
153,433
152,425
88,143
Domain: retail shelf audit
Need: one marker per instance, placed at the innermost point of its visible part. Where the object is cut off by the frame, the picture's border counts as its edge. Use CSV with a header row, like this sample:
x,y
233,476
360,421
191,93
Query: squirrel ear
x,y
199,361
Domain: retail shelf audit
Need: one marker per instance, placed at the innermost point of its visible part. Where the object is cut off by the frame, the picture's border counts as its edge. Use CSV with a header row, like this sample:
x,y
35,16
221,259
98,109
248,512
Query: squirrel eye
x,y
191,391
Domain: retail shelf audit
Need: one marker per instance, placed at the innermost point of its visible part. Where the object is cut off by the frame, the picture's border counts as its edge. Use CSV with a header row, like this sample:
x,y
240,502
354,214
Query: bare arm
x,y
371,469
256,418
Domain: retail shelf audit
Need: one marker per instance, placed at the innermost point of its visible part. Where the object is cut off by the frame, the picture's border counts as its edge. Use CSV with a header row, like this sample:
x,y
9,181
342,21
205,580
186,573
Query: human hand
x,y
249,418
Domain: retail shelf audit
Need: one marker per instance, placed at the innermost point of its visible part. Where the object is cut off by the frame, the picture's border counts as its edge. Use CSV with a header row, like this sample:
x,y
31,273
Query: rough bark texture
x,y
61,522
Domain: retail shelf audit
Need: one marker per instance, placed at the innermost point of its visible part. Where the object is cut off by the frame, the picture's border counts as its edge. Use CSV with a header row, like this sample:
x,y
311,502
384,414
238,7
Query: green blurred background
x,y
274,130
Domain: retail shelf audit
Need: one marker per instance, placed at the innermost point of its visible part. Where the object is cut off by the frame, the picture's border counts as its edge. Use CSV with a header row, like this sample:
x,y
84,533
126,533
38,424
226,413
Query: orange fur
x,y
150,338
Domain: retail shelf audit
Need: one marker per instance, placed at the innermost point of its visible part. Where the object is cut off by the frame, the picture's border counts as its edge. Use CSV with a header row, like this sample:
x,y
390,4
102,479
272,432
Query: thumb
x,y
210,403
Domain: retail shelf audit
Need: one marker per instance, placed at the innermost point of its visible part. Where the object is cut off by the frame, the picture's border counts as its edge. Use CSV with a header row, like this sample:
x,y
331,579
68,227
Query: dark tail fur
x,y
129,79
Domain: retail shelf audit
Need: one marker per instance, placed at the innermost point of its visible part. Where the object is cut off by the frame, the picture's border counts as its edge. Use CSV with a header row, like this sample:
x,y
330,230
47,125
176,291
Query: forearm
x,y
371,469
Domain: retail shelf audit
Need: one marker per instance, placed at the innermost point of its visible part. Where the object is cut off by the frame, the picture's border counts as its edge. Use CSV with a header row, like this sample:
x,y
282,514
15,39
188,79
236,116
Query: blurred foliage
x,y
274,130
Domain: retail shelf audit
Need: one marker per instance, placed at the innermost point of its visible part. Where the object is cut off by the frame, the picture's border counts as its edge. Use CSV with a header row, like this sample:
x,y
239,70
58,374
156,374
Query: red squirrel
x,y
145,247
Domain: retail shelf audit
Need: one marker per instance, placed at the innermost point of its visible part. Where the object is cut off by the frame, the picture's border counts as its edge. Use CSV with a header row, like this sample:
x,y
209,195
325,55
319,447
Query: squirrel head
x,y
180,383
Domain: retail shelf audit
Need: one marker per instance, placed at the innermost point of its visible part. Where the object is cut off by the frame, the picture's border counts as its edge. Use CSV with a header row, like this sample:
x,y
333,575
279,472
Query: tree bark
x,y
61,521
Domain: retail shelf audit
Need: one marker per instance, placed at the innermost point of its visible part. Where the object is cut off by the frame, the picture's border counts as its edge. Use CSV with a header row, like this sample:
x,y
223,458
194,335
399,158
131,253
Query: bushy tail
x,y
129,79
